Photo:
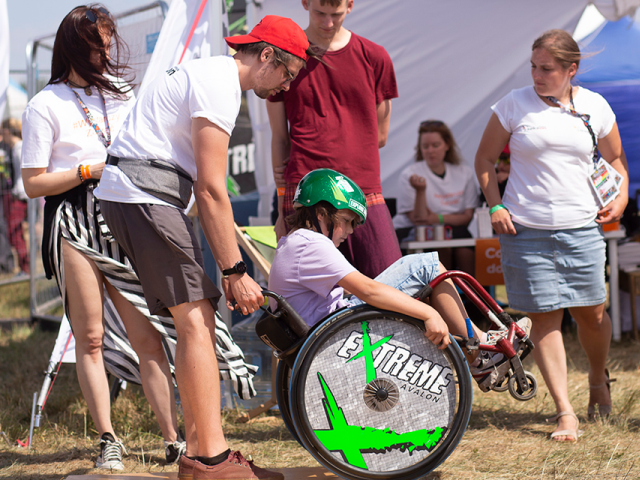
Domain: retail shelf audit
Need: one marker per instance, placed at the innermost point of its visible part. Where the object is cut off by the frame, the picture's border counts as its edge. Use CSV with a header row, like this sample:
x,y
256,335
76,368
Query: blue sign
x,y
152,39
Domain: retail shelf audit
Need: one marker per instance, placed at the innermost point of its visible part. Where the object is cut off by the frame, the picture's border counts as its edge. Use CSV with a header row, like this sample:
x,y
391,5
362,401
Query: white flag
x,y
192,29
4,55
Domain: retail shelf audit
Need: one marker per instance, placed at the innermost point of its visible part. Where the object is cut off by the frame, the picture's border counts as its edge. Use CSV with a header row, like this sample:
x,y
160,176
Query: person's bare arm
x,y
383,296
611,150
384,119
210,145
39,183
420,212
280,150
453,219
422,215
494,138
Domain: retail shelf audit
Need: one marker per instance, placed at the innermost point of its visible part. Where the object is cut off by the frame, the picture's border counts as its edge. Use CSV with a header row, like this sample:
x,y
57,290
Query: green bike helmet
x,y
333,187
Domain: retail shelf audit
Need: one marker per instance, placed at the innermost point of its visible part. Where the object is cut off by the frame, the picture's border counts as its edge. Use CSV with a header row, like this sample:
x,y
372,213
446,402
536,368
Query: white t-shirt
x,y
551,158
56,133
159,126
306,271
454,193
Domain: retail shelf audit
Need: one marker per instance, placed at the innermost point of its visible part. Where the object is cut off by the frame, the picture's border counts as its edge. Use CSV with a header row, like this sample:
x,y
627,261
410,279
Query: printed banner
x,y
488,262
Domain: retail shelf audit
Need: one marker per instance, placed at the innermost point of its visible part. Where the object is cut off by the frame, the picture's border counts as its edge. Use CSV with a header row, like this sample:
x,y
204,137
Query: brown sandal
x,y
603,410
574,433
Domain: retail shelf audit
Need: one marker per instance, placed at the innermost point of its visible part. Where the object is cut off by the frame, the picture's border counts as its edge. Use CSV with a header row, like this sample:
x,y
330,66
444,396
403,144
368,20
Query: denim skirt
x,y
546,270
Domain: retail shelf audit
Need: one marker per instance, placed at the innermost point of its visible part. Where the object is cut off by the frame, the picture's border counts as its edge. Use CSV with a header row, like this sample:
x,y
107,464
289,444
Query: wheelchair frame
x,y
297,346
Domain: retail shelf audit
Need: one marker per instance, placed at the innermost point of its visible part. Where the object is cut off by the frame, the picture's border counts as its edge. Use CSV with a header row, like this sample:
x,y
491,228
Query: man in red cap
x,y
336,115
175,138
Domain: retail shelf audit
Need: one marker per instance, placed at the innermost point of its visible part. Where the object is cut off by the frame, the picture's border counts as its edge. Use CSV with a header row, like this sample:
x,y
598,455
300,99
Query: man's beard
x,y
262,93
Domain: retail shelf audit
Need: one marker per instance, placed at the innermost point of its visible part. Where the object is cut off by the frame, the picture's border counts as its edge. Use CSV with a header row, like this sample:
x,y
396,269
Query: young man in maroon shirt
x,y
336,115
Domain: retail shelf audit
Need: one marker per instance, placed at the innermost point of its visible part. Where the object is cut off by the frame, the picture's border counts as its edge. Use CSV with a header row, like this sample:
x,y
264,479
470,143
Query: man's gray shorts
x,y
162,247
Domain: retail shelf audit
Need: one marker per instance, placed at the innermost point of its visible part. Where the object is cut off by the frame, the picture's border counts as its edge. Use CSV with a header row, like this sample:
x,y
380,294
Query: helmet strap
x,y
330,231
314,220
316,224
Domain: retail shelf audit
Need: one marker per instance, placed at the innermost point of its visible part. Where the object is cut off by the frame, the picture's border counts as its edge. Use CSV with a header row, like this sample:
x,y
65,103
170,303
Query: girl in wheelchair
x,y
313,275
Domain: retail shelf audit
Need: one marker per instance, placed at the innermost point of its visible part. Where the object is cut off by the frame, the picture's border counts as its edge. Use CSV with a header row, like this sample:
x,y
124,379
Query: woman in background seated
x,y
437,189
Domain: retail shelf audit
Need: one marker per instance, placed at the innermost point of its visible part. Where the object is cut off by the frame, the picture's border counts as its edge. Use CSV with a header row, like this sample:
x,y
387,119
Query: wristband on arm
x,y
495,208
440,218
84,173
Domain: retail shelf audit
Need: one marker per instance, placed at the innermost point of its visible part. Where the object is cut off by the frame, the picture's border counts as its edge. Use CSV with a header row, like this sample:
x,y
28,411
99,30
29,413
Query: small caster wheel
x,y
517,393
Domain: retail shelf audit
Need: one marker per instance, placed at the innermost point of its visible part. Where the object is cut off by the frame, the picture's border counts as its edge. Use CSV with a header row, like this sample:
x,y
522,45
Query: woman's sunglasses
x,y
93,17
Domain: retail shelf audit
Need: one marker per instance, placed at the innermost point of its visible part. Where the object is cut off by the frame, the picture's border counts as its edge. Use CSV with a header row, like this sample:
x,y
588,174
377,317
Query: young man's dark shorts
x,y
162,247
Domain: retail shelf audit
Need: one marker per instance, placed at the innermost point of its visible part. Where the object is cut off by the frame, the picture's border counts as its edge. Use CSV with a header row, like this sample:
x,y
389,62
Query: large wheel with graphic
x,y
372,398
283,376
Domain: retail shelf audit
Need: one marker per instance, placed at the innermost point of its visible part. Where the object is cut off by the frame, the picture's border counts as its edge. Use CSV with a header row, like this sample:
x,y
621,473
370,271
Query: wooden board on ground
x,y
302,473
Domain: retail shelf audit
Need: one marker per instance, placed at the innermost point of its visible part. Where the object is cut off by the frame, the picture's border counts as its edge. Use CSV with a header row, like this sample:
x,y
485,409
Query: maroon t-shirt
x,y
332,113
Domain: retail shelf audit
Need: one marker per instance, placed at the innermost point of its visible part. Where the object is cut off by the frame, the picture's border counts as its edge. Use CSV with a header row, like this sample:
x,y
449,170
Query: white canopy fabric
x,y
453,59
616,9
4,55
17,100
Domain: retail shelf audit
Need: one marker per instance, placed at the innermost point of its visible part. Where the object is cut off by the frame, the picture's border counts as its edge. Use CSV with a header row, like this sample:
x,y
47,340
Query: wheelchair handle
x,y
294,320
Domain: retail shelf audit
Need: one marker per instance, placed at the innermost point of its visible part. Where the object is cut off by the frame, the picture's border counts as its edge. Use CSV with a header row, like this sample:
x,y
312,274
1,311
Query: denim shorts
x,y
408,274
546,270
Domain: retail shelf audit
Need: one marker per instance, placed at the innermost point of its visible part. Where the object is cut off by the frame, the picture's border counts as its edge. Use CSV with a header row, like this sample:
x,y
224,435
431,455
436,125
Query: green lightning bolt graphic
x,y
353,440
367,351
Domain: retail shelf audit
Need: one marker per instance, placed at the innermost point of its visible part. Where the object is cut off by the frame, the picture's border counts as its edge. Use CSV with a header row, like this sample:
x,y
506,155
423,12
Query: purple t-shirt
x,y
306,271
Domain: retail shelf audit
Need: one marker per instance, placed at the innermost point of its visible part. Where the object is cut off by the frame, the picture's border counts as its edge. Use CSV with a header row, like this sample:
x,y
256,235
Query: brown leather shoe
x,y
185,468
264,474
235,467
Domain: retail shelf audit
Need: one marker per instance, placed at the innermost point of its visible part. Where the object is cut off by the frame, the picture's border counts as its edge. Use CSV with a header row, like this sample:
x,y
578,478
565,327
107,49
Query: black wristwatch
x,y
240,267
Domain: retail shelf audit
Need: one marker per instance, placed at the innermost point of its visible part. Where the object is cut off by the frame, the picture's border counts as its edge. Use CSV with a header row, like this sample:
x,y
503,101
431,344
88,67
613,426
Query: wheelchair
x,y
369,396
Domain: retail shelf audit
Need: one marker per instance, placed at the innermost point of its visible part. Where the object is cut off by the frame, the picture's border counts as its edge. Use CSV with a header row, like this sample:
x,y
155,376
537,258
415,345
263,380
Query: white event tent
x,y
453,59
4,55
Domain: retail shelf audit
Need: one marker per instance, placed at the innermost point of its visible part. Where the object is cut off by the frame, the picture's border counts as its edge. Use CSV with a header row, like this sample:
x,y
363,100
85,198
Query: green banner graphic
x,y
353,440
367,351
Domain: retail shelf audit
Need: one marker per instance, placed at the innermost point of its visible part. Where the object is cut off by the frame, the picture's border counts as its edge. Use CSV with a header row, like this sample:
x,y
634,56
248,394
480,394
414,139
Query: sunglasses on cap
x,y
93,17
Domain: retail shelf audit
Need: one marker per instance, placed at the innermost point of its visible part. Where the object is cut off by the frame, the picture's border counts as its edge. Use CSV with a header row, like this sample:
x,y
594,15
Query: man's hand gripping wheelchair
x,y
369,396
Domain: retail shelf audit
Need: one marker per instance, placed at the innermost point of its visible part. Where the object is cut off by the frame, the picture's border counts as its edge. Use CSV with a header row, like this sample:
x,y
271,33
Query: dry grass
x,y
506,439
14,300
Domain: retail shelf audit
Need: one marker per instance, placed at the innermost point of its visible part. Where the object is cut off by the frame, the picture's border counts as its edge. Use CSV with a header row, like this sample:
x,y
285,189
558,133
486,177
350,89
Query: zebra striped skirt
x,y
83,226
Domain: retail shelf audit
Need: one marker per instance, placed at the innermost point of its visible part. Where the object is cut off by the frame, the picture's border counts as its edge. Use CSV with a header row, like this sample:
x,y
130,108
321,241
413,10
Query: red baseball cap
x,y
280,32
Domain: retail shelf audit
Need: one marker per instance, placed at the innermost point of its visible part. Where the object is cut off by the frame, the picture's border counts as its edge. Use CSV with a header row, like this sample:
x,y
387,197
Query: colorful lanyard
x,y
582,116
106,141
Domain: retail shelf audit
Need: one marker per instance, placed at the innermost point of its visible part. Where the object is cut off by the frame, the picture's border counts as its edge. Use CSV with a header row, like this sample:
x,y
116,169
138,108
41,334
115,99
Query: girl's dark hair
x,y
437,126
305,217
79,34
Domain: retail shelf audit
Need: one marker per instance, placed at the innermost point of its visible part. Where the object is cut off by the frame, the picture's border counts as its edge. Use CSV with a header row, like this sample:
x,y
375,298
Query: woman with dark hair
x,y
67,128
438,190
549,219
